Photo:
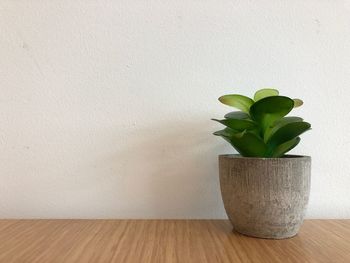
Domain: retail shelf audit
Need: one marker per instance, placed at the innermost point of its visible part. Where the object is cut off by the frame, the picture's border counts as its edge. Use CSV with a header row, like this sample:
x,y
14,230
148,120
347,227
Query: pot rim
x,y
285,157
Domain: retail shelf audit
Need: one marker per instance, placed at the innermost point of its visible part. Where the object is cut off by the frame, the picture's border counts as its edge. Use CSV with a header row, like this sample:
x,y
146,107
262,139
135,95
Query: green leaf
x,y
270,109
237,124
278,124
248,144
288,132
263,93
238,101
297,103
240,115
281,149
226,134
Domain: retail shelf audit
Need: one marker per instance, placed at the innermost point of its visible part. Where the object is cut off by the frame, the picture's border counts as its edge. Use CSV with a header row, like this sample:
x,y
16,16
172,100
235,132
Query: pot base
x,y
255,235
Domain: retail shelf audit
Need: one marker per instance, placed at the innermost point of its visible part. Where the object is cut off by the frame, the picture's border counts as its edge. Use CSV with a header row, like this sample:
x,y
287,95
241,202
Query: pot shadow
x,y
168,171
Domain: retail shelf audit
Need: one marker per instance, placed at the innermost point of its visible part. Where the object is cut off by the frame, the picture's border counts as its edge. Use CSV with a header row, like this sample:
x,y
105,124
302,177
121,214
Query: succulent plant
x,y
261,128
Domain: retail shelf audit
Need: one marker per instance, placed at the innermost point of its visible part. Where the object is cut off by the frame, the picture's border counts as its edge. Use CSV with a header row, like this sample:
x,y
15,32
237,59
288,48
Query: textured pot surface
x,y
265,197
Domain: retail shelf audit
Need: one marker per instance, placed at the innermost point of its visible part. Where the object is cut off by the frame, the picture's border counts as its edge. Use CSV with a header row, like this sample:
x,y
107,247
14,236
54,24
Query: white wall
x,y
105,105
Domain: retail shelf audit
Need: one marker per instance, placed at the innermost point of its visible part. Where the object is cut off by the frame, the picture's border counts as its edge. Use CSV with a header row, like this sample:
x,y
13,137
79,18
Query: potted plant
x,y
265,192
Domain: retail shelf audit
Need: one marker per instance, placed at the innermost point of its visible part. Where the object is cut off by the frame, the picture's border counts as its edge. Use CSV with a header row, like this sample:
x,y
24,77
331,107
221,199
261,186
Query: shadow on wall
x,y
168,170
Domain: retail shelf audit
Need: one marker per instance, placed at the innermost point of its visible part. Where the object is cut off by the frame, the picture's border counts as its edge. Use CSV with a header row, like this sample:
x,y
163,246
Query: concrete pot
x,y
265,197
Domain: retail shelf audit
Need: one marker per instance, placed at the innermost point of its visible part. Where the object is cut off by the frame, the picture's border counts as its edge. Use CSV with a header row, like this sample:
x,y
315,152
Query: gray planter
x,y
265,197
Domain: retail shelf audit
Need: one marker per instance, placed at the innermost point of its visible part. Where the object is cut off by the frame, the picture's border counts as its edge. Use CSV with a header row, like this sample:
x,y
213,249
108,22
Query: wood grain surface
x,y
166,241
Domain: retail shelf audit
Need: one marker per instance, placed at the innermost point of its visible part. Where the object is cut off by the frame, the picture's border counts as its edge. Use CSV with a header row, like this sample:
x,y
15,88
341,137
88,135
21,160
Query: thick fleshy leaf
x,y
278,124
227,132
240,115
237,124
248,144
297,103
283,148
263,93
270,109
240,102
288,132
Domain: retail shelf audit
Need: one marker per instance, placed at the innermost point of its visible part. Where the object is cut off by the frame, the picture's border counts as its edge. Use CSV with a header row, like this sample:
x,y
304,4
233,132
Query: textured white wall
x,y
105,105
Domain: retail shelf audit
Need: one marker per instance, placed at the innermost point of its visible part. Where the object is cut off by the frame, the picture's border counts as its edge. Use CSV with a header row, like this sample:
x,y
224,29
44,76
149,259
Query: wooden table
x,y
166,241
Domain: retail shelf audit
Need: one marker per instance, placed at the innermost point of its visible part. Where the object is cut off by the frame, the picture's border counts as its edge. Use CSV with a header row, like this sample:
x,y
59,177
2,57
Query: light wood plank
x,y
166,241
